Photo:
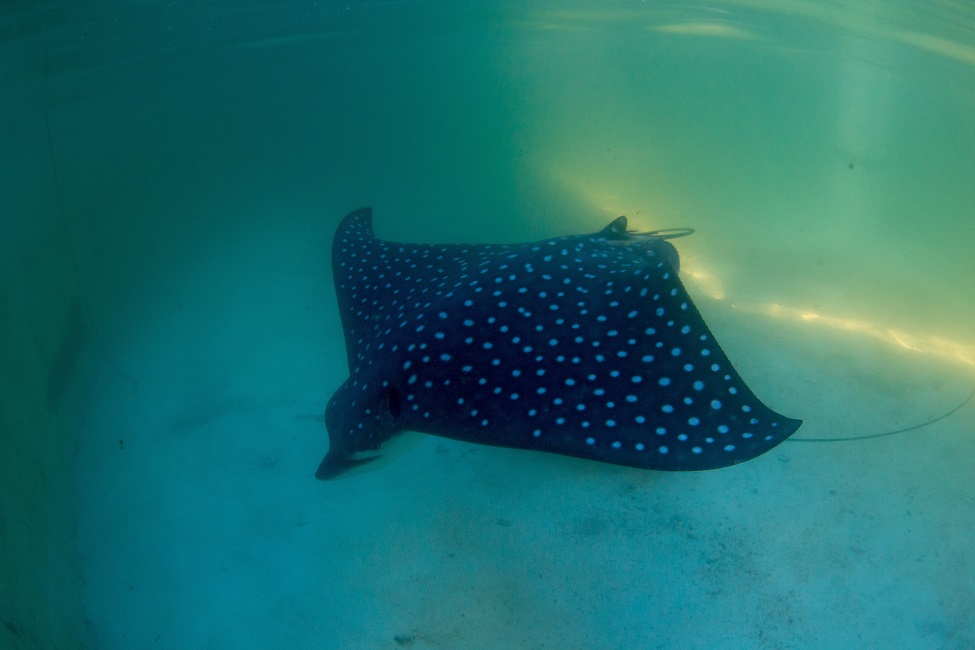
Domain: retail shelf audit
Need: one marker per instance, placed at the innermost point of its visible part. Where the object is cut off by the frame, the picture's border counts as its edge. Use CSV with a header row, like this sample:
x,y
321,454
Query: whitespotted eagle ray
x,y
584,345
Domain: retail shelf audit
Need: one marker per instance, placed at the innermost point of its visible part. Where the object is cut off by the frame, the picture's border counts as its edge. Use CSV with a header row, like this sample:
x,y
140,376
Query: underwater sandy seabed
x,y
831,196
200,523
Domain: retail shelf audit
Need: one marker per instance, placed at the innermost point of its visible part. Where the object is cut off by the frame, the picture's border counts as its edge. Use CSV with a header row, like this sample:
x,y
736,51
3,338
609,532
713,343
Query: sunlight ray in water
x,y
925,343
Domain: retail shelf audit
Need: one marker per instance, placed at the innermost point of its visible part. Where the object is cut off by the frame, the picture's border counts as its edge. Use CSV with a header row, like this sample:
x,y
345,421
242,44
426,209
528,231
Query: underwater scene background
x,y
173,173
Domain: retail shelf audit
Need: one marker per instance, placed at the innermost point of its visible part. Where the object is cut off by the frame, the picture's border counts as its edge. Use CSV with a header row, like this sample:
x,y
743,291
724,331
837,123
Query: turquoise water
x,y
172,178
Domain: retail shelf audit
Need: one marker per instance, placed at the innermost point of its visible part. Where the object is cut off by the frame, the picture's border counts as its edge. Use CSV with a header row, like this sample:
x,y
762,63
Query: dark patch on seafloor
x,y
61,371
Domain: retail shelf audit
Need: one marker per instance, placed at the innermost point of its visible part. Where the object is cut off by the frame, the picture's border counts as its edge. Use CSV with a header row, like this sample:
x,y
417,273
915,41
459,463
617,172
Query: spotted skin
x,y
584,345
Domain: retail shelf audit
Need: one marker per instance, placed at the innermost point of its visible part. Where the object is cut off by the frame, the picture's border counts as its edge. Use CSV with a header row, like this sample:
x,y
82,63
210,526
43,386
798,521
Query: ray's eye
x,y
394,403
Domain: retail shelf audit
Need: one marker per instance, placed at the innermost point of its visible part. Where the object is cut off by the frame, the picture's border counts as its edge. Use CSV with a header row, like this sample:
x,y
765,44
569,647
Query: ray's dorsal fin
x,y
615,231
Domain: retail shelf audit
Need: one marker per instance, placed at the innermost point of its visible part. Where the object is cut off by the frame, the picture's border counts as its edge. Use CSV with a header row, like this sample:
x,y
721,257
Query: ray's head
x,y
360,419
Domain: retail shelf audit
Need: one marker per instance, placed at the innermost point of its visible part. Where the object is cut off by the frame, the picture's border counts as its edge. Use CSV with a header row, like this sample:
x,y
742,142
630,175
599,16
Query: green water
x,y
172,176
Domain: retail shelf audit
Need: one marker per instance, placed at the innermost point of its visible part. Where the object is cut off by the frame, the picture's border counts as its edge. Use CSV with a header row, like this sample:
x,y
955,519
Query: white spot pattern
x,y
506,350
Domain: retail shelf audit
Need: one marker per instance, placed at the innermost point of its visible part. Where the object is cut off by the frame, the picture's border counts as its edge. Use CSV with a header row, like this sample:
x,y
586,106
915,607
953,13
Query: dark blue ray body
x,y
585,345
